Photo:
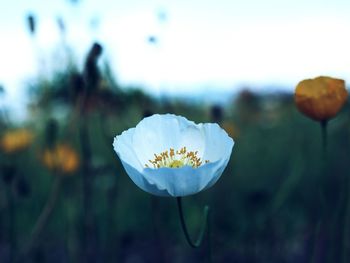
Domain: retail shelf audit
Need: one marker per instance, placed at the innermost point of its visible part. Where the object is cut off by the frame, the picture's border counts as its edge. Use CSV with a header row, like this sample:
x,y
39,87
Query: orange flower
x,y
62,158
16,140
320,98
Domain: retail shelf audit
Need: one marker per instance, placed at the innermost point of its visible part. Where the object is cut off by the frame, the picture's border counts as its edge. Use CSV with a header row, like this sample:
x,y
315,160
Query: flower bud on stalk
x,y
321,98
31,24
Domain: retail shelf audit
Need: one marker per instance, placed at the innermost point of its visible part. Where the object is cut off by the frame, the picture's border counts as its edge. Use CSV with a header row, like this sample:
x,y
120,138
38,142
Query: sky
x,y
221,44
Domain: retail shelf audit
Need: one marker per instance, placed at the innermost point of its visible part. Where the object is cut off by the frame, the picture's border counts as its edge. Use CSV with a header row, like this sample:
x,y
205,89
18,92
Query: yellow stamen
x,y
176,159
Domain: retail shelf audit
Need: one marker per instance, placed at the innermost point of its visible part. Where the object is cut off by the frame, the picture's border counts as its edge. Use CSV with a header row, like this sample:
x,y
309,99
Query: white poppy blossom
x,y
168,155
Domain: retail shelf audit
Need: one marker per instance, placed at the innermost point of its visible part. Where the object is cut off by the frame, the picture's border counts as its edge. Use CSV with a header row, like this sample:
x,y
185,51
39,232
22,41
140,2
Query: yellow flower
x,y
320,98
16,140
62,158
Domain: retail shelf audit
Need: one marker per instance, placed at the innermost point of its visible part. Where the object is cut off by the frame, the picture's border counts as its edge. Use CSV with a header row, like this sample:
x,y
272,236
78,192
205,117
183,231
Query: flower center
x,y
176,159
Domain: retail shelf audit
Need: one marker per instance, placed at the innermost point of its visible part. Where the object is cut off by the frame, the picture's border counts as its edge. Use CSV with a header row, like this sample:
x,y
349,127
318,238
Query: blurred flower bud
x,y
8,172
74,1
51,132
62,158
320,98
216,113
16,140
152,39
91,71
31,24
95,51
61,25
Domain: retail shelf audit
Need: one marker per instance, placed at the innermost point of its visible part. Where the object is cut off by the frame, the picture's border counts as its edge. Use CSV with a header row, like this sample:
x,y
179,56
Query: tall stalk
x,y
320,228
205,228
89,235
43,218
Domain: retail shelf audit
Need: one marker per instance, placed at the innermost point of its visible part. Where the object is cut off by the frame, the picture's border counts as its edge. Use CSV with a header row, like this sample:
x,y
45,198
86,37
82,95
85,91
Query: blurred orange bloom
x,y
62,158
320,98
16,140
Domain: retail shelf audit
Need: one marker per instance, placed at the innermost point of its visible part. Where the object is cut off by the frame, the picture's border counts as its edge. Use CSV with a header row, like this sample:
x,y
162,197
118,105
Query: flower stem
x,y
12,220
319,230
324,138
43,218
346,239
205,227
89,223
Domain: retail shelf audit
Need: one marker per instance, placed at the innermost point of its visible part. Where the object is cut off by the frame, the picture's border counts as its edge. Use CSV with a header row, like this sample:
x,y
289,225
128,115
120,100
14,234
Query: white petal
x,y
185,180
158,133
123,146
218,145
139,179
192,138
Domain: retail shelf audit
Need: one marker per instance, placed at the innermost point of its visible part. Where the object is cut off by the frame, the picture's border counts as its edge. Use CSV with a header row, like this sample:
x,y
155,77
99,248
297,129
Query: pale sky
x,y
217,44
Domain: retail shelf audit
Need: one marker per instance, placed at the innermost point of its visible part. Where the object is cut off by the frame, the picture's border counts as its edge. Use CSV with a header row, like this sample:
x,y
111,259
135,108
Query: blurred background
x,y
76,73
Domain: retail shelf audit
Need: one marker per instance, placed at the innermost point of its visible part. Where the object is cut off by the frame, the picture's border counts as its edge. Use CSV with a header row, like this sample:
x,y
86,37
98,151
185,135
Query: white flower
x,y
168,155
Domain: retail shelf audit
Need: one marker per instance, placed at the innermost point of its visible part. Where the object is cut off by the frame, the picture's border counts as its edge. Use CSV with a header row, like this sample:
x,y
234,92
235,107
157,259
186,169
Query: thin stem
x,y
44,217
89,232
346,239
320,226
12,220
199,240
324,165
324,137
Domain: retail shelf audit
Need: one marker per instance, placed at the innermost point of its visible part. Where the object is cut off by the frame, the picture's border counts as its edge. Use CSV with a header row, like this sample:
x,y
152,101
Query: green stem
x,y
346,232
319,227
12,220
205,227
324,227
324,177
324,138
89,222
48,209
44,217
